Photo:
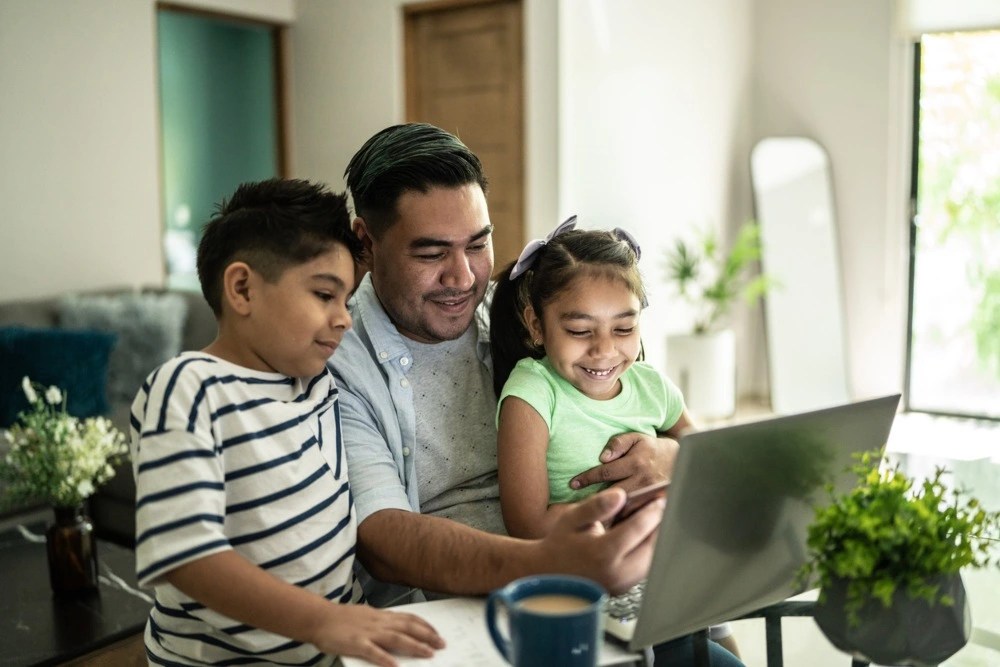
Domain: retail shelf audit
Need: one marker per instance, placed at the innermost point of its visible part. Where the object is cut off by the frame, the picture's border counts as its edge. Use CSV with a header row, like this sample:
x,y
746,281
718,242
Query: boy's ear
x,y
236,281
532,323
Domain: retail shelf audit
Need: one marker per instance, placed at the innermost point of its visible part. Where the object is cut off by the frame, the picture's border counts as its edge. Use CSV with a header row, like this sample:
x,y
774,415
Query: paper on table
x,y
462,624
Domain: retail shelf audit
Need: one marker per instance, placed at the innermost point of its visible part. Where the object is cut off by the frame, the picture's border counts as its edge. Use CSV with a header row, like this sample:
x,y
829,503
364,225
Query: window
x,y
953,356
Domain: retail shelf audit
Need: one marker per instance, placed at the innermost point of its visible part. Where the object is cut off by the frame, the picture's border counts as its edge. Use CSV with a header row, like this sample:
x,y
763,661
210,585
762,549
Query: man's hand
x,y
631,461
617,557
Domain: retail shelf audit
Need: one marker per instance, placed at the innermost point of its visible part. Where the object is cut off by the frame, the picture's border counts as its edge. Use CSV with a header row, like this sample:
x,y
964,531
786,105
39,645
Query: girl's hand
x,y
631,461
365,632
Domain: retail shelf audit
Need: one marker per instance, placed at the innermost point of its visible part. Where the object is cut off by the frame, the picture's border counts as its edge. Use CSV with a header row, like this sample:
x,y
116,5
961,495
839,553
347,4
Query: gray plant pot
x,y
908,632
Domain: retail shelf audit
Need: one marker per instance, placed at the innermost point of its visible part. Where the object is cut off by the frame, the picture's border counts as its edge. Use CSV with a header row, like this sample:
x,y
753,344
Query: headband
x,y
530,253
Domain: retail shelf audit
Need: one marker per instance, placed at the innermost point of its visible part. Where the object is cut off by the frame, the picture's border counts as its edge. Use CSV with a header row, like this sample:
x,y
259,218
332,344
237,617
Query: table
x,y
37,628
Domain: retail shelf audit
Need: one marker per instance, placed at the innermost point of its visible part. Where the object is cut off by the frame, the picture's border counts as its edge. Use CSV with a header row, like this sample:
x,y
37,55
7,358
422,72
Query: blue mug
x,y
553,619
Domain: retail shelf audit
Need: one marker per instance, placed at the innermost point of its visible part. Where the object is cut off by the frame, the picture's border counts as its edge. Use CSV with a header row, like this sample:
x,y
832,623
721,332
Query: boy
x,y
244,516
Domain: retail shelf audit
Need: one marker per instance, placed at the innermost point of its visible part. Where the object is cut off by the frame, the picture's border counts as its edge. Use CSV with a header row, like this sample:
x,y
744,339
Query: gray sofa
x,y
190,324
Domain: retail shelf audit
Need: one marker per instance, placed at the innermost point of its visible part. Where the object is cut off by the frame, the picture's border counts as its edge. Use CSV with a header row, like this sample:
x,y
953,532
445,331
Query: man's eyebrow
x,y
429,242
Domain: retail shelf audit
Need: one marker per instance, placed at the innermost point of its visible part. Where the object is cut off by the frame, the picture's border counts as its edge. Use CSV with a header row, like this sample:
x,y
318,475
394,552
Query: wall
x,y
654,138
78,146
79,142
832,71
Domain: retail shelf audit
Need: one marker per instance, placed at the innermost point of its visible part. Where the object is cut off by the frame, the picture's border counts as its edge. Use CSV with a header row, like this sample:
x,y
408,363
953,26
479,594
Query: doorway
x,y
464,73
220,121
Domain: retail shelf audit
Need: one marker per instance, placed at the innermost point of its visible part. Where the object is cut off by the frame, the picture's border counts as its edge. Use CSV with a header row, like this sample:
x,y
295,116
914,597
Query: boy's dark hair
x,y
413,156
272,225
560,261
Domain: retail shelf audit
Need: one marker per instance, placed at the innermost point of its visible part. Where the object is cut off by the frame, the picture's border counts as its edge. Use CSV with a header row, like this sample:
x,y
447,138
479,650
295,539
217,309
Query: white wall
x,y
826,71
78,146
655,129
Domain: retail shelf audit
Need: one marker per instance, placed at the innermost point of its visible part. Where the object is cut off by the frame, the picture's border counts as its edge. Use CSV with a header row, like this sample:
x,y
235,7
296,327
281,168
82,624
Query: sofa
x,y
102,343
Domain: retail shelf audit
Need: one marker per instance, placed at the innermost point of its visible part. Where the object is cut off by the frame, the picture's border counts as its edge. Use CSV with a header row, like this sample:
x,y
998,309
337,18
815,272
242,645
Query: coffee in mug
x,y
553,619
554,603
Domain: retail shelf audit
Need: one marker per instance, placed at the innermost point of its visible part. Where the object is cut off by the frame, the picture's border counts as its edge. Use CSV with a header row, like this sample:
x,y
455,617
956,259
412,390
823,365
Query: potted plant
x,y
888,555
60,459
710,280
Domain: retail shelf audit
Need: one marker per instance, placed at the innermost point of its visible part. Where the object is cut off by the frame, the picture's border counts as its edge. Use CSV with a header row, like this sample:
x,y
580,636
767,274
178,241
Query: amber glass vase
x,y
72,553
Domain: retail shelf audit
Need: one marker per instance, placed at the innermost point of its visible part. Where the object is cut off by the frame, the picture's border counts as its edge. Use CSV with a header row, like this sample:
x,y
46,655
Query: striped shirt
x,y
230,458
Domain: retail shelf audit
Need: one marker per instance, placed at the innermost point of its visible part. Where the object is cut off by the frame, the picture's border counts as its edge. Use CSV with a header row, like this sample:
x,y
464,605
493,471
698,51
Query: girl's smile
x,y
590,333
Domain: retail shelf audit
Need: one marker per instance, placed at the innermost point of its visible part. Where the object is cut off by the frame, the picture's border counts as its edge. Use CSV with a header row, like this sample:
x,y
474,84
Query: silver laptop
x,y
733,535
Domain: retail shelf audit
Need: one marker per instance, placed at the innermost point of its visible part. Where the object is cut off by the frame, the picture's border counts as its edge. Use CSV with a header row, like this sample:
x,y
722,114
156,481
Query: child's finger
x,y
371,652
418,628
402,643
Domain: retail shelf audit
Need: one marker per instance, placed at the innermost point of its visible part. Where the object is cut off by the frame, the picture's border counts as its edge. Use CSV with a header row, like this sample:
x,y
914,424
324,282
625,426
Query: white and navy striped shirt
x,y
230,458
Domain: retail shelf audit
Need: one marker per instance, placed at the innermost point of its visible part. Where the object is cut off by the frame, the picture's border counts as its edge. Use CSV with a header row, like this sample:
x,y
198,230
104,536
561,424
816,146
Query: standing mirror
x,y
803,314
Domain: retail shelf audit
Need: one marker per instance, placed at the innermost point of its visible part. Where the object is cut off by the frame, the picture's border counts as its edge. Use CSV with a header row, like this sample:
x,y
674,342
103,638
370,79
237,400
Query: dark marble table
x,y
37,628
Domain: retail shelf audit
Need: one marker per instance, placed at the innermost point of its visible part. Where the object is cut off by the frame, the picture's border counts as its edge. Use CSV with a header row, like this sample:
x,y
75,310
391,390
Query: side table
x,y
37,628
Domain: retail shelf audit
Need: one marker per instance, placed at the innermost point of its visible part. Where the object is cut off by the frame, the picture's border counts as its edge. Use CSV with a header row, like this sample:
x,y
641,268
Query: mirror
x,y
803,313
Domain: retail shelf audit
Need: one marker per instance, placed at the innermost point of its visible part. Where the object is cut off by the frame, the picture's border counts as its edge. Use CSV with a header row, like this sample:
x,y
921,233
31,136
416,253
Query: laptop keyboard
x,y
622,611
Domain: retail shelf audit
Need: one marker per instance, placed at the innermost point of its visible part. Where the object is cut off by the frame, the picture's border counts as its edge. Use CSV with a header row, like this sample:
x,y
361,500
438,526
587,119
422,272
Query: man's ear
x,y
236,287
532,323
360,228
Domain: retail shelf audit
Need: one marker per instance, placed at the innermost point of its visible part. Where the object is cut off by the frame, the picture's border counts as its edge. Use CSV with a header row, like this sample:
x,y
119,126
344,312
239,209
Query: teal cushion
x,y
74,361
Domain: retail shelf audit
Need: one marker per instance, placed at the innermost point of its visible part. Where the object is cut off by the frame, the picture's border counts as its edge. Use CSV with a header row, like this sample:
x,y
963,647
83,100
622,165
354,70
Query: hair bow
x,y
527,257
623,235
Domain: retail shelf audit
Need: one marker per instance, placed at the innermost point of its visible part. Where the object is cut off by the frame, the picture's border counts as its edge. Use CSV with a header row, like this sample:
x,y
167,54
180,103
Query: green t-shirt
x,y
580,427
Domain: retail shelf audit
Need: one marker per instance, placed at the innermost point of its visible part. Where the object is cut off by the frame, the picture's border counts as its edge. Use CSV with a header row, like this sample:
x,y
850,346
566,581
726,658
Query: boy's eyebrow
x,y
577,315
330,277
429,242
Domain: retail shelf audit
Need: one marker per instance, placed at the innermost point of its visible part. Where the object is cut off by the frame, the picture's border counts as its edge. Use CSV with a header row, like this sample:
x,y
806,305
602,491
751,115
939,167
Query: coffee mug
x,y
553,619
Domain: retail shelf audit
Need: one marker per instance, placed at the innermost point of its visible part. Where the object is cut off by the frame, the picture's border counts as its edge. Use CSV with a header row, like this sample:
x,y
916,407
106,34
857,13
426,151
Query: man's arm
x,y
445,556
632,461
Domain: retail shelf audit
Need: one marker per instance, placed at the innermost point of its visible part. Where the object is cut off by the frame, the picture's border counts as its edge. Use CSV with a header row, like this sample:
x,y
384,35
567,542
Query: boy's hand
x,y
365,632
631,461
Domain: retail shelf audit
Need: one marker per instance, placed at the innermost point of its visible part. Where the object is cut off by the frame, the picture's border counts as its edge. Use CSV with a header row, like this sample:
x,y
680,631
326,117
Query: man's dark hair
x,y
414,156
272,225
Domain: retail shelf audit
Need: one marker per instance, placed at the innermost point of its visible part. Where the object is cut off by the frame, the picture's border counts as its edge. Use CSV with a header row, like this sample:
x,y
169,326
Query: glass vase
x,y
72,552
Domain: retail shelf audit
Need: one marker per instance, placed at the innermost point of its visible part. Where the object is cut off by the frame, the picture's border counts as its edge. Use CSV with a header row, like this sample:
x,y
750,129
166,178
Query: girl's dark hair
x,y
564,258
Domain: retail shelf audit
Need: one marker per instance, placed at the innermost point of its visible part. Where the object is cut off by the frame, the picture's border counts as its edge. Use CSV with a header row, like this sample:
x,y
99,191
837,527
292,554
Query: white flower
x,y
85,488
29,391
53,395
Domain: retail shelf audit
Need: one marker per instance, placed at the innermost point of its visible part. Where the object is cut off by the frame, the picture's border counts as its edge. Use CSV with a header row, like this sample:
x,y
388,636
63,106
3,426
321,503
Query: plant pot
x,y
72,554
703,366
908,632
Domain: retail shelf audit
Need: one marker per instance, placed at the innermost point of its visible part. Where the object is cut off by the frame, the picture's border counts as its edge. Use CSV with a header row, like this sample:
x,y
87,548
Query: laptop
x,y
733,534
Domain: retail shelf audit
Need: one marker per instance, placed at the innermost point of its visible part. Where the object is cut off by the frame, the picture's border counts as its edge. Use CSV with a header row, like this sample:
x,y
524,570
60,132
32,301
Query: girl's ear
x,y
532,323
236,287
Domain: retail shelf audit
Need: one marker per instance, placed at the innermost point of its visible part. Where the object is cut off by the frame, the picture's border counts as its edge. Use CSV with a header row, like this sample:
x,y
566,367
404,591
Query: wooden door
x,y
464,74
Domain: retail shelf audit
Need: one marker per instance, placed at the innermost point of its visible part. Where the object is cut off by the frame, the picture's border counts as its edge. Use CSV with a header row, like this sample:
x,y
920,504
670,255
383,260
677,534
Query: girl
x,y
565,342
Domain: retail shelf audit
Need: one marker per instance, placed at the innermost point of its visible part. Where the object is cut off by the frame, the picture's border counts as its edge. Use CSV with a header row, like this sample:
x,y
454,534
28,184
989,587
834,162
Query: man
x,y
418,407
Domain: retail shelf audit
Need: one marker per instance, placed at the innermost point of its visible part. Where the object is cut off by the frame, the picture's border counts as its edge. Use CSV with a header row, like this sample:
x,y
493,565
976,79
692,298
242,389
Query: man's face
x,y
431,267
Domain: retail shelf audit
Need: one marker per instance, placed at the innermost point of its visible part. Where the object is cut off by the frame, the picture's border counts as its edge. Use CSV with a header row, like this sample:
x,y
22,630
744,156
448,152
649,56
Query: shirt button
x,y
406,451
383,355
404,361
404,382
